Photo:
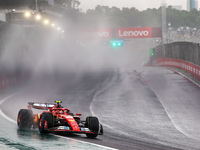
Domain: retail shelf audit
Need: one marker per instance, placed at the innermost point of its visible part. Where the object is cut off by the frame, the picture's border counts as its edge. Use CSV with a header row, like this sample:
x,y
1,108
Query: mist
x,y
62,66
42,51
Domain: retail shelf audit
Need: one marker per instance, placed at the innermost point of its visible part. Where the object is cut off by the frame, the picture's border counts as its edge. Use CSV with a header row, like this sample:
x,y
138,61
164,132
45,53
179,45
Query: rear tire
x,y
25,119
93,124
45,122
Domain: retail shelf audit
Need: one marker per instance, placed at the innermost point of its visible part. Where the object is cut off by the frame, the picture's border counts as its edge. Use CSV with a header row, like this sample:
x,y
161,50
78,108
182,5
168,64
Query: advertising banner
x,y
122,33
133,33
96,34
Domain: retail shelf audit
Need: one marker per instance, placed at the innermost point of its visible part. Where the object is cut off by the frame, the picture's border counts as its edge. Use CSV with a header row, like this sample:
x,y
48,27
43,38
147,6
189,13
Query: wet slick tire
x,y
25,119
45,122
93,124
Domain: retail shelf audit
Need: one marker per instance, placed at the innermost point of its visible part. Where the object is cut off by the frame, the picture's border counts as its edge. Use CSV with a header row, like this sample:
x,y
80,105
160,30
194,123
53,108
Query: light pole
x,y
164,4
36,5
168,32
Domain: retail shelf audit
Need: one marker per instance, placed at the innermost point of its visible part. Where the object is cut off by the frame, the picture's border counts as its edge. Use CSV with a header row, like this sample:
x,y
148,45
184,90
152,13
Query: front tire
x,y
25,119
45,122
93,124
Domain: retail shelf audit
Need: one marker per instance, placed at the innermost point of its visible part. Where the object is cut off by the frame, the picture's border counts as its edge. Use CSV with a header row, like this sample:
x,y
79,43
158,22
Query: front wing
x,y
67,129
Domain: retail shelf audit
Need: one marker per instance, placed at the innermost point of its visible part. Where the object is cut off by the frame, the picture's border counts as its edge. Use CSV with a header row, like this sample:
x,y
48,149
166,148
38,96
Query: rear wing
x,y
44,106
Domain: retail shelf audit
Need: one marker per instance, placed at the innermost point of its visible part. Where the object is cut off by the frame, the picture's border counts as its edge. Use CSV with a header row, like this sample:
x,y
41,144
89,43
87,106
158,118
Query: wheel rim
x,y
40,124
45,124
19,119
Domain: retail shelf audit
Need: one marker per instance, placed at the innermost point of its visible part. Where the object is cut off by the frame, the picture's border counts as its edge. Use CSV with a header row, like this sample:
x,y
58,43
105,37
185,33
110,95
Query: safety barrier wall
x,y
187,51
189,67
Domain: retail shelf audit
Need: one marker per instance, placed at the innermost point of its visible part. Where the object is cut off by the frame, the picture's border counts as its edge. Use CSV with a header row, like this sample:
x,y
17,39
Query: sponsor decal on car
x,y
85,129
66,128
61,127
68,117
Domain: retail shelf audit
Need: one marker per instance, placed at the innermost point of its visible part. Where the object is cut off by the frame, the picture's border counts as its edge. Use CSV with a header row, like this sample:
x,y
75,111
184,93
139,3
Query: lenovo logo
x,y
96,34
133,33
121,33
103,34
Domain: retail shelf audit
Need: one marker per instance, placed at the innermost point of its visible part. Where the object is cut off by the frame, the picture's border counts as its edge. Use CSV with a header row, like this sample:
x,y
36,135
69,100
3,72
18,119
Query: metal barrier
x,y
179,50
189,67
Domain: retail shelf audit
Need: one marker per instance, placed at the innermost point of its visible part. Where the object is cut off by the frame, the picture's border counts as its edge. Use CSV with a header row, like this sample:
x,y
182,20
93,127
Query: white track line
x,y
3,100
101,146
13,121
6,117
2,114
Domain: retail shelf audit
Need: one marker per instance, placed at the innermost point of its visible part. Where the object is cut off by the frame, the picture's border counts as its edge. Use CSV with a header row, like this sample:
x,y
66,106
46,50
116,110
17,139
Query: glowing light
x,y
114,44
46,22
53,25
58,28
37,17
27,14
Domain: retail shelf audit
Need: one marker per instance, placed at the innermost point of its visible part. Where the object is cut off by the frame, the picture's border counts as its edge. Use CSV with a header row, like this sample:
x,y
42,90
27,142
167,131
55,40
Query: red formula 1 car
x,y
55,119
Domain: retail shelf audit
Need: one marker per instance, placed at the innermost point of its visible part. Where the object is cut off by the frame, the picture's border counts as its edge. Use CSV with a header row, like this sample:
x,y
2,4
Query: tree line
x,y
106,17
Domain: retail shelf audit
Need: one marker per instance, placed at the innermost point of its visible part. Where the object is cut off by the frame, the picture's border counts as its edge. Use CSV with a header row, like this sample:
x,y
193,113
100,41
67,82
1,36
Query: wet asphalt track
x,y
140,108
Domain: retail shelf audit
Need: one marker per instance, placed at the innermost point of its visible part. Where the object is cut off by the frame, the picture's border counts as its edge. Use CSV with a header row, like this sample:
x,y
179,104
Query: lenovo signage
x,y
97,34
122,33
133,33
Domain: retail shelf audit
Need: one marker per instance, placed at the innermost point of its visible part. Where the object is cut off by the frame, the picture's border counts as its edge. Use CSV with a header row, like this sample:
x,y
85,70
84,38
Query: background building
x,y
192,4
196,4
178,7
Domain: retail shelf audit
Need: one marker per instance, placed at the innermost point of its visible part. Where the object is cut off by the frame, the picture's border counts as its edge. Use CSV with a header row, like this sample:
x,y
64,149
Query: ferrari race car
x,y
56,119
